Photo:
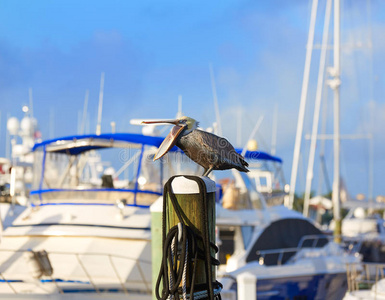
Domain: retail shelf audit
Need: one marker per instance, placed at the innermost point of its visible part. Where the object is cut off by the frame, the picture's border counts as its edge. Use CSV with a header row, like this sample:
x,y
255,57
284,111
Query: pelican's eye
x,y
182,121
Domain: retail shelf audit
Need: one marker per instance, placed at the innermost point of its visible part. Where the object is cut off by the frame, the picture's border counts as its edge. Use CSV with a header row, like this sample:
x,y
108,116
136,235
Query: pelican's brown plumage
x,y
206,149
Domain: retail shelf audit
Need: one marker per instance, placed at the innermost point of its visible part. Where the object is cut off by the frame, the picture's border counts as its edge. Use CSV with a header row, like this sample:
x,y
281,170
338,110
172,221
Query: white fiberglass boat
x,y
285,253
82,236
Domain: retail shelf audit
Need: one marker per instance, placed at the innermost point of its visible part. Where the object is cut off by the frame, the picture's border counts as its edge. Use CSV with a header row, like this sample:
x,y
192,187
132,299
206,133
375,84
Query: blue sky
x,y
153,51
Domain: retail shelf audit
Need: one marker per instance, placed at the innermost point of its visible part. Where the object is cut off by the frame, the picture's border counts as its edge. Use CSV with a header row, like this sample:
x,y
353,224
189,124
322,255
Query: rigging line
x,y
260,138
253,133
323,173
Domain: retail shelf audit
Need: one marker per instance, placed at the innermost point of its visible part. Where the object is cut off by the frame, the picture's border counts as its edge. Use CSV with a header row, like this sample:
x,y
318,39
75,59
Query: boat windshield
x,y
285,234
102,174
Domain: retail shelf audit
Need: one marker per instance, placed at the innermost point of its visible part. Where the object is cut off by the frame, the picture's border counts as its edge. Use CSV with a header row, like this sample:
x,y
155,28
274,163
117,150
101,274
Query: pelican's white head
x,y
183,126
189,123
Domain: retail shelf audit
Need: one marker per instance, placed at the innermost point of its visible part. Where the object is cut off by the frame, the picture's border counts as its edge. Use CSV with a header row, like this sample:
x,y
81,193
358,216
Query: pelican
x,y
206,149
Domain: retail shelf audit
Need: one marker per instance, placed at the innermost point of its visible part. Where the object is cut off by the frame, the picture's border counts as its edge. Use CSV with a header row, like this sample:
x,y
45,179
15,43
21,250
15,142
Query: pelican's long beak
x,y
170,139
174,121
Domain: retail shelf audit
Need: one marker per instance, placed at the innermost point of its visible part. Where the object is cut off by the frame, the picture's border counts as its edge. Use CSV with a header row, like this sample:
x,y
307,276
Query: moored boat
x,y
284,252
83,236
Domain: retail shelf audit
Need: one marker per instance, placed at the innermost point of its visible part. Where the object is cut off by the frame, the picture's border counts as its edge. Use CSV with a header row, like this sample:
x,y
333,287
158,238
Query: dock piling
x,y
188,233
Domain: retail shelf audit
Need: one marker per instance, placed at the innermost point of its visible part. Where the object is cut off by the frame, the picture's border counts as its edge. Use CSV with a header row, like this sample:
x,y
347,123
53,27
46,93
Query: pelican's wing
x,y
223,148
169,141
216,143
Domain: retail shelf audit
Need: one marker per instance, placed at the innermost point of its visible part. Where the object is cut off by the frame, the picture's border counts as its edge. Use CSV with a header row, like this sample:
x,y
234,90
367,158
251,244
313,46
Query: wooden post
x,y
190,203
156,240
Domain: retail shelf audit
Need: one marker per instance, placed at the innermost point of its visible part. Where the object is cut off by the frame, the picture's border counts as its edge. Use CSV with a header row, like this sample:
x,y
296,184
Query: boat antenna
x,y
52,123
30,103
7,140
179,113
274,130
99,125
84,112
239,127
214,89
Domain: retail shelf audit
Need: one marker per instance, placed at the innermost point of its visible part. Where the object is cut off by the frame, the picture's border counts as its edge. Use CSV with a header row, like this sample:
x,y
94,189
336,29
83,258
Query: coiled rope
x,y
182,245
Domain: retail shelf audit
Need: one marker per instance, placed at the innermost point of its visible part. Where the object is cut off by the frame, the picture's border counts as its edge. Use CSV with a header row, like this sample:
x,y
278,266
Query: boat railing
x,y
314,240
364,275
353,245
280,253
284,254
57,273
134,197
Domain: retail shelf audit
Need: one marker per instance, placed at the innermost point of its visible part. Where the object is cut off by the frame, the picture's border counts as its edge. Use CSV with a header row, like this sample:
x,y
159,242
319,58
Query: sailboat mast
x,y
320,83
335,85
85,107
214,88
301,115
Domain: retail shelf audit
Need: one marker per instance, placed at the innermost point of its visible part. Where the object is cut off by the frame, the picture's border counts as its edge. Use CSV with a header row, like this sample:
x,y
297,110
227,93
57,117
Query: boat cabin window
x,y
284,234
226,247
263,181
233,238
247,233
